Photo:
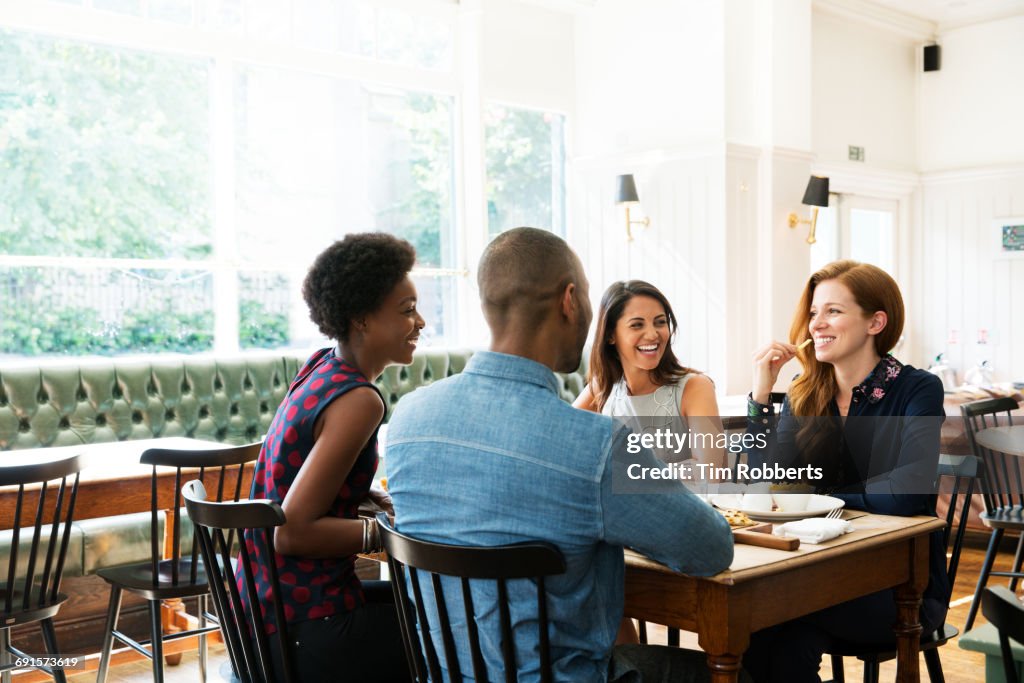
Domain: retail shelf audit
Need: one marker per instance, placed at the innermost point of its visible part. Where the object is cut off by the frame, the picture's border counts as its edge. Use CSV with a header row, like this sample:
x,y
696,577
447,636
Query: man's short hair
x,y
522,270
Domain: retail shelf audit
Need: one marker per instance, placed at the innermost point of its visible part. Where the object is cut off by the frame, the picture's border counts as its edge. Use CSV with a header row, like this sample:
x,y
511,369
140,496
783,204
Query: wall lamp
x,y
627,195
816,195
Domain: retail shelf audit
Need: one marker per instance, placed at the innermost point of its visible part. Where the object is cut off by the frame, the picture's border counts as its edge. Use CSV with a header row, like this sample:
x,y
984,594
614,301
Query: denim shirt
x,y
492,456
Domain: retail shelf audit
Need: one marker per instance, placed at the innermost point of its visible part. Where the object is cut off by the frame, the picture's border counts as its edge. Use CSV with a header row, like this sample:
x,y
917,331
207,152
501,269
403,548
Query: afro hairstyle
x,y
352,277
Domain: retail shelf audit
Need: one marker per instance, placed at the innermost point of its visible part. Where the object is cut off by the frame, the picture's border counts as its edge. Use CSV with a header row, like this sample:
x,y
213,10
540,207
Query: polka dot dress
x,y
310,588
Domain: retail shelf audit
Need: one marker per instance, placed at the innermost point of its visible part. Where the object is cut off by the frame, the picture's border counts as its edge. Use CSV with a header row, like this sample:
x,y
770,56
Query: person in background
x,y
635,374
493,456
320,456
834,418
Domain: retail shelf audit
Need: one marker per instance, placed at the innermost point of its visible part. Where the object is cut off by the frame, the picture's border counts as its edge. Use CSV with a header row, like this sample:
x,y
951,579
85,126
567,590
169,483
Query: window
x,y
104,199
318,157
859,228
525,156
172,202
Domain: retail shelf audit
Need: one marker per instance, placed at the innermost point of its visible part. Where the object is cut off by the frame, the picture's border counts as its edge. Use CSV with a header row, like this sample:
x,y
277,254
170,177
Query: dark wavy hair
x,y
352,277
605,366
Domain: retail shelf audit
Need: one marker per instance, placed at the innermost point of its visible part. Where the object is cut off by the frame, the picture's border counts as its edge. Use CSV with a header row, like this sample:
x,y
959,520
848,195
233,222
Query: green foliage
x,y
259,328
424,213
76,332
42,313
103,152
521,147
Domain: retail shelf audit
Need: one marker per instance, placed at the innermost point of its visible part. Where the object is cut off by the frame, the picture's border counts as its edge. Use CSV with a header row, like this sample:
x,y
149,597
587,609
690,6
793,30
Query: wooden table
x,y
764,587
1003,439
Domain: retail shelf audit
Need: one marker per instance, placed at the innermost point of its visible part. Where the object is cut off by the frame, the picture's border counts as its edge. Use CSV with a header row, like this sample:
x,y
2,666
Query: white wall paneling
x,y
681,252
967,285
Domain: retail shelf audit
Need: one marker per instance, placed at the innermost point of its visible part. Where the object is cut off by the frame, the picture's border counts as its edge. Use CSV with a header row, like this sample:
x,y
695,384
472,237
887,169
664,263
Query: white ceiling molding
x,y
792,154
994,172
736,150
876,16
567,6
857,180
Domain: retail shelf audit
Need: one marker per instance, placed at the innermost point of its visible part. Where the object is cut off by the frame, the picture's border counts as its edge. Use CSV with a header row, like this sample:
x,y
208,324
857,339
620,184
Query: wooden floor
x,y
958,665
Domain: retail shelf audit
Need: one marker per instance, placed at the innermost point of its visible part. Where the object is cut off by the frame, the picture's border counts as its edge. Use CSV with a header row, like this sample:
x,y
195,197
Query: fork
x,y
835,514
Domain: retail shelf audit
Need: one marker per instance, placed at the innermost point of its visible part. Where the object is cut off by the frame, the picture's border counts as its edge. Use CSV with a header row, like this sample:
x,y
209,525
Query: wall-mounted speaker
x,y
932,55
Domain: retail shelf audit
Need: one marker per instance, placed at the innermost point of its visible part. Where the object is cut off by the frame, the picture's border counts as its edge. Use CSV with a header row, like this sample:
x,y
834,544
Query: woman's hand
x,y
382,499
768,360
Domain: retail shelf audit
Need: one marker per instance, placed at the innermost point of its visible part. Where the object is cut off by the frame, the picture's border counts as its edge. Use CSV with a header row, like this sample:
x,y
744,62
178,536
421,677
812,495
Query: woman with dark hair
x,y
635,374
871,424
319,458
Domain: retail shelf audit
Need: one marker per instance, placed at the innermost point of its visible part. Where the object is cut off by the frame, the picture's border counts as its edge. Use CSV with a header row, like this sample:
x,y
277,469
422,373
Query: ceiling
x,y
951,13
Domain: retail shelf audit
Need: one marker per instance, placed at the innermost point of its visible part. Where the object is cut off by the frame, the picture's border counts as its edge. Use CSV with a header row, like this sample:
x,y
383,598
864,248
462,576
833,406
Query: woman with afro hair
x,y
319,459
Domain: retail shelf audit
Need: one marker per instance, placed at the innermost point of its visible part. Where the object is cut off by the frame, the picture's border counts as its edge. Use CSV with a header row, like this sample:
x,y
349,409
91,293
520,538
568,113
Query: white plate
x,y
816,507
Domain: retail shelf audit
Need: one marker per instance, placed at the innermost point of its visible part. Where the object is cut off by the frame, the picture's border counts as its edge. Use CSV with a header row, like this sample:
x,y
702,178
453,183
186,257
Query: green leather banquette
x,y
225,399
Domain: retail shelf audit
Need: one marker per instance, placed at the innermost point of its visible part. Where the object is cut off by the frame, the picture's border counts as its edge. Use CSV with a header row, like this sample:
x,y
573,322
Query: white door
x,y
859,228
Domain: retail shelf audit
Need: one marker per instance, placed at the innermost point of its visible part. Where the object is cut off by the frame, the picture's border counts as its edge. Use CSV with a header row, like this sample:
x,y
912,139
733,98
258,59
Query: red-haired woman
x,y
871,424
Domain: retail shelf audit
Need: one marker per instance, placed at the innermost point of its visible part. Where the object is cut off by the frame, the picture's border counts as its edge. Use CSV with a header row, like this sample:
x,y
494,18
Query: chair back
x,y
33,593
223,467
243,629
964,472
1001,482
411,557
1004,611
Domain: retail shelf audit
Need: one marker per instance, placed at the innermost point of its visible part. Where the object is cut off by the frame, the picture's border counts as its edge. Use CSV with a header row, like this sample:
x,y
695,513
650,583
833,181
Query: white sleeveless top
x,y
650,412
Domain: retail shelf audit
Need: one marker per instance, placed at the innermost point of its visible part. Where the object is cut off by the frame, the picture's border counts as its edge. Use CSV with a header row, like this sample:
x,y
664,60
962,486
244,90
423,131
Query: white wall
x,y
649,75
864,85
972,153
682,252
971,109
966,283
527,55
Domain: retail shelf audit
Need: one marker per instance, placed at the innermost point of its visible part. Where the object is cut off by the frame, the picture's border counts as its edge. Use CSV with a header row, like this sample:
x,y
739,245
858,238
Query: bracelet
x,y
371,536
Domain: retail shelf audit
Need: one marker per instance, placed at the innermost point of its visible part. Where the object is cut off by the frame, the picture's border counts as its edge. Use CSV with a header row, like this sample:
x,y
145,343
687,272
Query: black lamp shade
x,y
817,192
627,190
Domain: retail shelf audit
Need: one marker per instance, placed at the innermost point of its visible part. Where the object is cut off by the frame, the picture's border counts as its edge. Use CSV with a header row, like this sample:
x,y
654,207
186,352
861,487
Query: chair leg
x,y
50,640
1018,559
871,668
673,637
641,628
156,629
934,665
986,569
201,606
113,610
5,653
838,674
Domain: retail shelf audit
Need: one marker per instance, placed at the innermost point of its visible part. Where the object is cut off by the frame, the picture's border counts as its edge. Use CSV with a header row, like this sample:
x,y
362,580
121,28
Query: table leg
x,y
724,668
721,631
908,609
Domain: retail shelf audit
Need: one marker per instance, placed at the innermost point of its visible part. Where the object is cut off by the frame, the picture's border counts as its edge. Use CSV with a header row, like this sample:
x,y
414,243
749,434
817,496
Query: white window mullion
x,y
225,250
473,221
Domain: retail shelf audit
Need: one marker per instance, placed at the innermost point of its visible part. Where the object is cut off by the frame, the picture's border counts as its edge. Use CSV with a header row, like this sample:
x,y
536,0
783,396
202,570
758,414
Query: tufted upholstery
x,y
217,399
65,403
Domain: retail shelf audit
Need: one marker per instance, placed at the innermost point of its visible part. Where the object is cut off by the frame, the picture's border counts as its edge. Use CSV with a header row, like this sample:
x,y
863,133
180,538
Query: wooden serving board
x,y
761,535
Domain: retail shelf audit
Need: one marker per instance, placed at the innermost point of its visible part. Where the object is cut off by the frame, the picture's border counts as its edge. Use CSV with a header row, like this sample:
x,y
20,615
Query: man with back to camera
x,y
493,456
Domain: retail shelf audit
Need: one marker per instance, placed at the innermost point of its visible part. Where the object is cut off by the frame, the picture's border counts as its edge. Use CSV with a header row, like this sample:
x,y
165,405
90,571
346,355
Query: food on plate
x,y
736,518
